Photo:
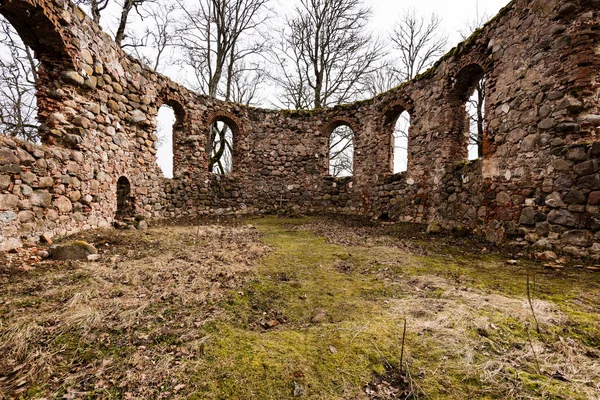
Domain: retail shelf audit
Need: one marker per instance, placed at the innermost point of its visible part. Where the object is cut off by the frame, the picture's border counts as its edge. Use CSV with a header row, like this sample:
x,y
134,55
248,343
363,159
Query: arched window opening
x,y
166,119
476,116
400,148
125,202
341,151
220,147
18,82
469,89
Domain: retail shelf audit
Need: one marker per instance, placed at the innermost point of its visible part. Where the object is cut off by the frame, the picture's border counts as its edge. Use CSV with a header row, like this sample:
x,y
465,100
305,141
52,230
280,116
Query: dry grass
x,y
491,338
228,311
128,320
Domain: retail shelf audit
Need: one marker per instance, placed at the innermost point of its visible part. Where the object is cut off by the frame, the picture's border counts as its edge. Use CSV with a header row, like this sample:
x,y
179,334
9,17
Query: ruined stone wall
x,y
94,103
538,178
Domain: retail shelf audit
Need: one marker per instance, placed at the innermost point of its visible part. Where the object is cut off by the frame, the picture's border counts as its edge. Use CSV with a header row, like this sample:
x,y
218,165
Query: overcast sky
x,y
455,14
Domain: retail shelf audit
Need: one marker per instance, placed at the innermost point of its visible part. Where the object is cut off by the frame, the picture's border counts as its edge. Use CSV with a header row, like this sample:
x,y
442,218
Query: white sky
x,y
456,15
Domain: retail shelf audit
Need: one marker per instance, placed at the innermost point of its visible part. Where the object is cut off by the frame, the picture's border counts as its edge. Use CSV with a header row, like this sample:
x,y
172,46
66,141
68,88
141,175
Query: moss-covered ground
x,y
275,308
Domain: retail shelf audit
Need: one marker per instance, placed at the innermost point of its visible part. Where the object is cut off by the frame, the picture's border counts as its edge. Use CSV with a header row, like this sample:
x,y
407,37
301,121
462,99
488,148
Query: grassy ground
x,y
273,308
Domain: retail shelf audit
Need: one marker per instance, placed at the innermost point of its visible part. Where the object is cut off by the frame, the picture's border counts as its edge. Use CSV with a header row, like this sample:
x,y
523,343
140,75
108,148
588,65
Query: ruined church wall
x,y
538,177
94,105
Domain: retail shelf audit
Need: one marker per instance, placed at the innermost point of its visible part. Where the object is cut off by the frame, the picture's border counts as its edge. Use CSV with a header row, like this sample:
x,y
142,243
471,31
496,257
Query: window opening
x,y
220,148
476,115
164,145
400,150
341,151
125,201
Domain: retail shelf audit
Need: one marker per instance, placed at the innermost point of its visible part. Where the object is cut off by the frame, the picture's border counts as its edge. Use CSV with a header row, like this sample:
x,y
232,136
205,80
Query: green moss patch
x,y
273,308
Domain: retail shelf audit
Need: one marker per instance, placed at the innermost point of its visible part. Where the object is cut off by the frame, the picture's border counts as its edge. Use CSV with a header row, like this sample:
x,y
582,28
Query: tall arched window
x,y
400,148
469,91
164,131
476,115
222,133
341,151
18,81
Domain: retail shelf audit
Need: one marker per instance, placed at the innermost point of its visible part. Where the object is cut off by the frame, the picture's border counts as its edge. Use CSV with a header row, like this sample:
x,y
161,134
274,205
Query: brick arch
x,y
392,111
336,122
176,104
464,81
231,120
38,23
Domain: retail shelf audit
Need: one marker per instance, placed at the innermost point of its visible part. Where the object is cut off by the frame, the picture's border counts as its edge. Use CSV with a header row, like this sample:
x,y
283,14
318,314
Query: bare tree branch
x,y
96,7
152,45
419,43
324,54
18,79
341,152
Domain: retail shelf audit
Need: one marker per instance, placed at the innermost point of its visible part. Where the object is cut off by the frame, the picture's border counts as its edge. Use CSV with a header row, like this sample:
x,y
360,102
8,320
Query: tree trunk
x,y
480,116
127,6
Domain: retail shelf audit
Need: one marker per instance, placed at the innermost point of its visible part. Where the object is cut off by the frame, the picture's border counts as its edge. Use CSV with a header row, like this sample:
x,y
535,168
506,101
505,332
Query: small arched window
x,y
164,144
400,143
125,207
220,147
469,89
341,151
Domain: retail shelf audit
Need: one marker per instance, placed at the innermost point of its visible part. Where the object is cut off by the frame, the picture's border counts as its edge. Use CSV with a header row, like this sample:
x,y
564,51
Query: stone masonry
x,y
539,177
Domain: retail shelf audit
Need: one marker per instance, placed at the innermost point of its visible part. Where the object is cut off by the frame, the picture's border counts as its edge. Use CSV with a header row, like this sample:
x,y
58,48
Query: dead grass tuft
x,y
130,318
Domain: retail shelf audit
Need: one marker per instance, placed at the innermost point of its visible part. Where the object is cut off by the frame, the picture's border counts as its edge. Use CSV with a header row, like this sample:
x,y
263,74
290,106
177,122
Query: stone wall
x,y
538,178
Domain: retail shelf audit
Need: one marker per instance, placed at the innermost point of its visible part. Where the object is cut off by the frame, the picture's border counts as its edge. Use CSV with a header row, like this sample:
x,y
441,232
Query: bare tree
x,y
18,81
324,53
384,78
216,36
419,43
97,7
246,81
159,35
217,39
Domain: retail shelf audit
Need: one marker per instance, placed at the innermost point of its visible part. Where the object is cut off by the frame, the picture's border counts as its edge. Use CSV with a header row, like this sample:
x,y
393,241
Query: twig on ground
x,y
537,325
535,357
402,349
389,366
